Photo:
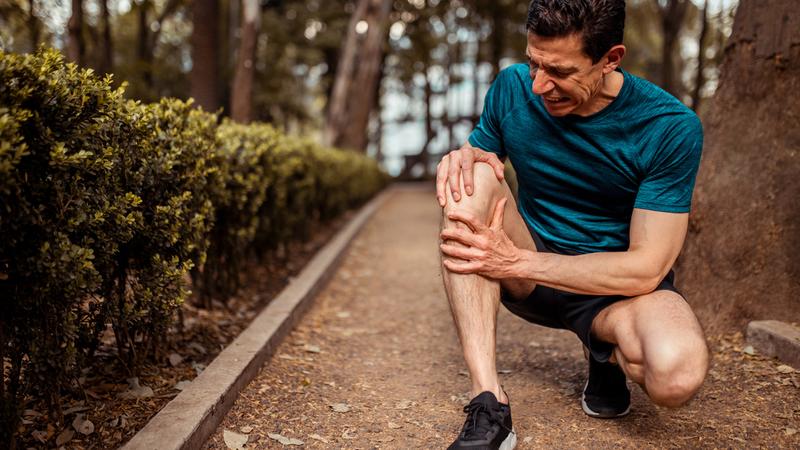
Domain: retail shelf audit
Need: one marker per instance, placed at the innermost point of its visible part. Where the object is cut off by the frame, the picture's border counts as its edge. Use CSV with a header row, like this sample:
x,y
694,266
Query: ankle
x,y
497,390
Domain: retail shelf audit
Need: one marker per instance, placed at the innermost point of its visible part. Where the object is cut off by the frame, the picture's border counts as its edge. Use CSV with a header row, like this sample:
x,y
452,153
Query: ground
x,y
376,364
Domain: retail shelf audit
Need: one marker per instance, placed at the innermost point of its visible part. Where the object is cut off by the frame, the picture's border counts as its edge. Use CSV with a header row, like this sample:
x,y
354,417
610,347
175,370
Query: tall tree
x,y
205,54
76,47
106,63
359,70
242,90
742,259
672,18
699,78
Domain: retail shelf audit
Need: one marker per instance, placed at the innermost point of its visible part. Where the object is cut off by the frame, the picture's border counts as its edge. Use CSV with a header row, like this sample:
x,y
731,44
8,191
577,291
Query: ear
x,y
613,58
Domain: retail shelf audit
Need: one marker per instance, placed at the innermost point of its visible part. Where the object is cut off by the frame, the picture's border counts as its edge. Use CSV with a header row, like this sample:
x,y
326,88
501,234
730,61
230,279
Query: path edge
x,y
187,421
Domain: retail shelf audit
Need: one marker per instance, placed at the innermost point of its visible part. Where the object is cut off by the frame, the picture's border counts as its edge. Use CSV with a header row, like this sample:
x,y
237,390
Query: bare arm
x,y
656,239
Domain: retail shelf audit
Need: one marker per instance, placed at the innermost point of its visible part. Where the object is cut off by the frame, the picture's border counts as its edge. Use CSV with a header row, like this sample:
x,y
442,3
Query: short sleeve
x,y
487,135
670,176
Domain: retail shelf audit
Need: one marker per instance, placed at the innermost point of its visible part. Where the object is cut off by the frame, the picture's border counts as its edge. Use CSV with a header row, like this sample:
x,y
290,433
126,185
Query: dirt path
x,y
379,346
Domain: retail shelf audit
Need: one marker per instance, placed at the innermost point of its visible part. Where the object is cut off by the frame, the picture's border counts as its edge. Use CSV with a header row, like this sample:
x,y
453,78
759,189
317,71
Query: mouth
x,y
555,100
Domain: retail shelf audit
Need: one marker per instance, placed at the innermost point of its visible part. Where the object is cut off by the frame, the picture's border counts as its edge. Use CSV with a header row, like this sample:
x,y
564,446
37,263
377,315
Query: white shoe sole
x,y
591,413
510,441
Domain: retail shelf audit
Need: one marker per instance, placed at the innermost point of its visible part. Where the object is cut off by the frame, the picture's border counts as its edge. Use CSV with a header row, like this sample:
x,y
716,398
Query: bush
x,y
107,204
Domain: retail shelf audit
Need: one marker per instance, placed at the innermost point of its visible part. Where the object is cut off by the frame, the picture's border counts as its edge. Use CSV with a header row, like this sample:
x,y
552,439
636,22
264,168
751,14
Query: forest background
x,y
402,80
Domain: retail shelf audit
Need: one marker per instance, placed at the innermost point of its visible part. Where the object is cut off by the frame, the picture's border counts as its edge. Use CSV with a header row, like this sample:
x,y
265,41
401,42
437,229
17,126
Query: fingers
x,y
453,174
466,171
464,268
492,159
472,222
465,253
441,180
497,217
459,235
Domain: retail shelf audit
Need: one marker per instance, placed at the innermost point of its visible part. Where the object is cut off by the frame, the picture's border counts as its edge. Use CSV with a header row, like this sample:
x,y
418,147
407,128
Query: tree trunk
x,y
742,259
107,50
672,15
75,44
358,73
144,52
33,25
205,40
700,79
242,89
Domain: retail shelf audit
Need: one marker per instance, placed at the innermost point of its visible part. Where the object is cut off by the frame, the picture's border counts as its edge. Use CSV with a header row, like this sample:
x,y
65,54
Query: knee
x,y
675,373
486,189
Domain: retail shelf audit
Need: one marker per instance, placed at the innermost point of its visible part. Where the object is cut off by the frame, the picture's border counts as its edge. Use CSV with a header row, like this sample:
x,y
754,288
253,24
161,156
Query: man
x,y
606,164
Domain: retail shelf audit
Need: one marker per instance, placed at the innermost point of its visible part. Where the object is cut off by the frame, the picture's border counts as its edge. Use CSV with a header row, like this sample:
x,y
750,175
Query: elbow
x,y
645,284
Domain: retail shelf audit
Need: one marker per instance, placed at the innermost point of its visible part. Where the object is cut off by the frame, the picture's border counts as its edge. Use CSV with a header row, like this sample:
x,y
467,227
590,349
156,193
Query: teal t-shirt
x,y
580,177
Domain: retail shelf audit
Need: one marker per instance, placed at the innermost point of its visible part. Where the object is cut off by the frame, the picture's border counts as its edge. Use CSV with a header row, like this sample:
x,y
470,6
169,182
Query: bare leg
x,y
659,344
474,300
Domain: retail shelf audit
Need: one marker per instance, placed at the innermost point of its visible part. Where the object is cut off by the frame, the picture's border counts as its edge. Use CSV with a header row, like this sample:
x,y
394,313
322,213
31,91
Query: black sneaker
x,y
488,425
606,393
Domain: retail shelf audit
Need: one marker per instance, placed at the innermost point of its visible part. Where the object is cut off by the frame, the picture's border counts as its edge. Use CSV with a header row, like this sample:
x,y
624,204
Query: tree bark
x,y
33,25
242,89
205,57
75,44
672,15
700,79
742,258
144,51
358,73
107,50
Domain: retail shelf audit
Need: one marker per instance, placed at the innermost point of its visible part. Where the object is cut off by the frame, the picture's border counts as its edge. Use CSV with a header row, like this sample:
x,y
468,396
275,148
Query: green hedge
x,y
106,205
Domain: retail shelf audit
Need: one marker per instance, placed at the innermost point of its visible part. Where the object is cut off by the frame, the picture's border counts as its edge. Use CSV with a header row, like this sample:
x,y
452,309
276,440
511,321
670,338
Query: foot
x,y
606,393
488,426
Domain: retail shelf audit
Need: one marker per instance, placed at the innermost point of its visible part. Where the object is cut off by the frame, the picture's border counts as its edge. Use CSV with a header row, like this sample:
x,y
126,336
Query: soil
x,y
198,341
376,364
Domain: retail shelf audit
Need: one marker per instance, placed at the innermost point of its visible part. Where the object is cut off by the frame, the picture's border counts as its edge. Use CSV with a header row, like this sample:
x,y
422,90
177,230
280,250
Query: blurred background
x,y
402,80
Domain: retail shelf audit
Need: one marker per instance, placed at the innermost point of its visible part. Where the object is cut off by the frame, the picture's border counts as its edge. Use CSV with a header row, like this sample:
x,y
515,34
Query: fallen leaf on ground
x,y
783,368
198,368
749,350
40,436
341,407
790,431
246,429
394,426
82,425
346,435
181,385
343,314
234,440
135,390
527,440
317,437
65,436
75,409
311,348
285,356
284,440
175,359
404,404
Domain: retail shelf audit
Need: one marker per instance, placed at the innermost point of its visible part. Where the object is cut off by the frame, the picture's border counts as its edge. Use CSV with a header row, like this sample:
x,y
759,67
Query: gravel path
x,y
376,364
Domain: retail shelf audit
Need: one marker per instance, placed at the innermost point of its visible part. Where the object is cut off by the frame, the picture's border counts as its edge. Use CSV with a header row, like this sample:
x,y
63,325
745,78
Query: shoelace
x,y
472,427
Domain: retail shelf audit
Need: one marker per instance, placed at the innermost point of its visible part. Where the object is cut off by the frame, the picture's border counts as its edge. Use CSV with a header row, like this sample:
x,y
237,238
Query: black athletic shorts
x,y
559,309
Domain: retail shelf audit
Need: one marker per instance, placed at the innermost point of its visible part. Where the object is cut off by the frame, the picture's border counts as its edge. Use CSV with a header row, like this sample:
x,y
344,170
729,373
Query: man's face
x,y
564,75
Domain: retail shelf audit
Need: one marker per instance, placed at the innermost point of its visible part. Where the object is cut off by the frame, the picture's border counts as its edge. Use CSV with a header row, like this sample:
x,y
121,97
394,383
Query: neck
x,y
609,88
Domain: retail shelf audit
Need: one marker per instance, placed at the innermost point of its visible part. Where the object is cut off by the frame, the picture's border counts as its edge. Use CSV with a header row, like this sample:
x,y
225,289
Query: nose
x,y
542,83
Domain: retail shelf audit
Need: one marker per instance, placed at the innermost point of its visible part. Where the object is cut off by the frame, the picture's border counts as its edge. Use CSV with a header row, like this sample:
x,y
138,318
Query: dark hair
x,y
600,22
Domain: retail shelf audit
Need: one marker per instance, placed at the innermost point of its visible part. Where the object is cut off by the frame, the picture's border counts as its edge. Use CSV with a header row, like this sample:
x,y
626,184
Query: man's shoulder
x,y
514,79
661,109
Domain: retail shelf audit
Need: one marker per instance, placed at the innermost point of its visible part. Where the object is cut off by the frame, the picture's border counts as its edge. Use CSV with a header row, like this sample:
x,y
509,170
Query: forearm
x,y
607,273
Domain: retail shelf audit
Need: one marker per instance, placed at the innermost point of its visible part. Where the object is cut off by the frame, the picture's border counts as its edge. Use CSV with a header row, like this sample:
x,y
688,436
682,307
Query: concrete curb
x,y
776,339
190,418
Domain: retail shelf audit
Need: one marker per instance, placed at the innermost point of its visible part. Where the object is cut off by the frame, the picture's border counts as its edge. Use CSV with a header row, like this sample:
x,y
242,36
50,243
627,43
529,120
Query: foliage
x,y
106,204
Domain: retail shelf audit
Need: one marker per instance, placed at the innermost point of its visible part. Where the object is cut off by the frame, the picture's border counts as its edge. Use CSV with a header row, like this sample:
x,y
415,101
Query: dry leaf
x,y
317,437
394,426
284,440
82,425
233,440
749,350
790,431
181,385
135,390
311,348
404,404
175,359
343,314
783,368
341,407
65,436
527,440
346,435
75,409
246,429
39,435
